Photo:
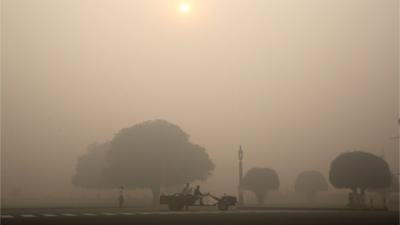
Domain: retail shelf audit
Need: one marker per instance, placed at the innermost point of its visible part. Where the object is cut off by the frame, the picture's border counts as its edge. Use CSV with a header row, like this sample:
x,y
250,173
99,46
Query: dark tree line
x,y
260,181
310,183
359,171
147,155
90,168
157,153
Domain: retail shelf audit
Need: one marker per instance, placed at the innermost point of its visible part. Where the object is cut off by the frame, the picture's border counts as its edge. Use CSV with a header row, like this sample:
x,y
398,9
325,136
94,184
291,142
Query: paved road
x,y
114,216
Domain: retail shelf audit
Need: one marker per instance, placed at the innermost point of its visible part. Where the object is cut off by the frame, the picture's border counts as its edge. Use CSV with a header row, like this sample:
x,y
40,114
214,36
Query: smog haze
x,y
295,83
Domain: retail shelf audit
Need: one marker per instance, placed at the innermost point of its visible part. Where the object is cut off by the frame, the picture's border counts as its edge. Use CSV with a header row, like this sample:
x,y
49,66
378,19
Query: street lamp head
x,y
240,153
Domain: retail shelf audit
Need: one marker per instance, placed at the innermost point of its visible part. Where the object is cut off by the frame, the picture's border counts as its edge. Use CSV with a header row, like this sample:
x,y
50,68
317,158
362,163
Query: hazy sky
x,y
296,82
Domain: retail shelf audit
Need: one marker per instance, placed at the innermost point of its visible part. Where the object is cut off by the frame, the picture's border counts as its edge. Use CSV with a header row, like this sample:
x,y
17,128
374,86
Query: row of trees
x,y
358,171
262,180
157,153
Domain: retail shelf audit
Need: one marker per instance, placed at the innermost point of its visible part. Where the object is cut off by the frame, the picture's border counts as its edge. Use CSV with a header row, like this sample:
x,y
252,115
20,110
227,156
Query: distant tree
x,y
385,192
155,153
260,181
90,168
310,183
359,171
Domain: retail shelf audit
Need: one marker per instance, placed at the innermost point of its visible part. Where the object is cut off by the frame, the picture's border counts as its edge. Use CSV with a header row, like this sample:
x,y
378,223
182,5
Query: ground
x,y
132,216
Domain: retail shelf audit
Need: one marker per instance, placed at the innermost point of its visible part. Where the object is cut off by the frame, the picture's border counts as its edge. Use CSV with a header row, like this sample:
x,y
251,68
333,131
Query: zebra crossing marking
x,y
147,213
7,216
68,214
49,215
28,215
127,213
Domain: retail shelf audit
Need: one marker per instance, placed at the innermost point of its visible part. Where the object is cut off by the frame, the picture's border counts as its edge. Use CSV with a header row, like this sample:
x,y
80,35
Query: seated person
x,y
187,190
199,195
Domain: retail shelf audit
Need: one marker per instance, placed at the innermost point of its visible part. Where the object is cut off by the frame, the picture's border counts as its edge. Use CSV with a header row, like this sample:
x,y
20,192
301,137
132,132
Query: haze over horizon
x,y
294,82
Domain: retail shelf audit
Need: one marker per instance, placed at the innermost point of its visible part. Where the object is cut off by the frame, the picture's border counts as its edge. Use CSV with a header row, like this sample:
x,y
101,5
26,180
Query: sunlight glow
x,y
184,7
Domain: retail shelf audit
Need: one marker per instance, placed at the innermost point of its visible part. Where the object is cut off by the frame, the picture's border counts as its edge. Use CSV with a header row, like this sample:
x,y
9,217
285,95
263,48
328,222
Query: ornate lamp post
x,y
395,162
240,155
121,196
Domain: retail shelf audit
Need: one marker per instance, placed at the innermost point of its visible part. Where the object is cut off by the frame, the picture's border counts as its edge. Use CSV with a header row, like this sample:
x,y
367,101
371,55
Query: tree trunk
x,y
353,198
156,197
261,197
362,198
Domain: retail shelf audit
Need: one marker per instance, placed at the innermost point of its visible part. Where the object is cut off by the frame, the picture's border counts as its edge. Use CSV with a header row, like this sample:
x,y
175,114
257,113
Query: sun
x,y
184,7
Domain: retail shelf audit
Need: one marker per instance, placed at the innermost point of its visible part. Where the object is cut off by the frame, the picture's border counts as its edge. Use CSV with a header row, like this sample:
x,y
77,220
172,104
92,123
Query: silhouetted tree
x,y
155,153
385,192
393,187
359,171
311,182
90,168
260,181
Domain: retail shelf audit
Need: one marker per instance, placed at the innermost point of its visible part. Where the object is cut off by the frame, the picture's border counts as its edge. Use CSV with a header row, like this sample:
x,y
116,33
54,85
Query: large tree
x,y
155,153
311,182
359,171
90,168
385,192
260,181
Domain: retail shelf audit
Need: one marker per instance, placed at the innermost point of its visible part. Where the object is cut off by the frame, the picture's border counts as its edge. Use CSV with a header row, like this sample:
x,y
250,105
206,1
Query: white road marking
x,y
147,213
6,216
138,213
28,215
127,213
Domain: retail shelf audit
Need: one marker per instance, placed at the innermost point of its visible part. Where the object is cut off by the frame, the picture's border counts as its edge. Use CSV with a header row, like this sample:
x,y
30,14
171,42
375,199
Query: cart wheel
x,y
223,206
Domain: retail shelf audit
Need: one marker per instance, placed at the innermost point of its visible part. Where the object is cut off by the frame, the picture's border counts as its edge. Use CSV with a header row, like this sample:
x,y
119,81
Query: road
x,y
112,216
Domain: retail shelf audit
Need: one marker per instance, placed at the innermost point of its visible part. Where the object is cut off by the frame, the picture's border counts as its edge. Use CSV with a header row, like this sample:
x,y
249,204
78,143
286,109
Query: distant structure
x,y
240,155
121,197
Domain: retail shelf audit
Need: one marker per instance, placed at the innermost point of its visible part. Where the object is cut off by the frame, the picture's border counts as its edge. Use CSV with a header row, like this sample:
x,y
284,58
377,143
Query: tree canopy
x,y
155,153
260,181
90,168
311,182
393,187
359,170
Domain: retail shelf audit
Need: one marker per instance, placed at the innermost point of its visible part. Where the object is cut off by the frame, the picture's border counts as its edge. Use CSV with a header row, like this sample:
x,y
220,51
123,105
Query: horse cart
x,y
176,202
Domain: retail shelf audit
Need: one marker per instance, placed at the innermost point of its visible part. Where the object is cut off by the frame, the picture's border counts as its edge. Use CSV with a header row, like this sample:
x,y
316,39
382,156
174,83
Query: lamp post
x,y
240,155
121,196
396,138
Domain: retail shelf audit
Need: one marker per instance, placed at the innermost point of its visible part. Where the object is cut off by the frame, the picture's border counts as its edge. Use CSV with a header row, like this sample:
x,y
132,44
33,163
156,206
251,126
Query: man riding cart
x,y
186,198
